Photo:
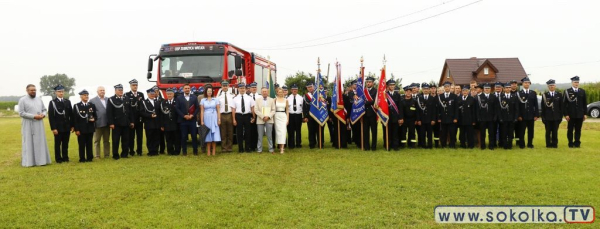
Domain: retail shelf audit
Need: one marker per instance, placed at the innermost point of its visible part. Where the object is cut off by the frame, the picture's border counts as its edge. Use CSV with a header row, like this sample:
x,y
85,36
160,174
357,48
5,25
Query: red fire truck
x,y
201,63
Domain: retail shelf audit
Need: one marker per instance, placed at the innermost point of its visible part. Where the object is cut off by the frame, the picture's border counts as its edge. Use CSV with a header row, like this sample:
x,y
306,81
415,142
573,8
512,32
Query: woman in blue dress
x,y
210,117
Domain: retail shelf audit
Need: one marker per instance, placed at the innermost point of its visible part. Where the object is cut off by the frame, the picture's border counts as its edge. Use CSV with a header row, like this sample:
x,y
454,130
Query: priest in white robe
x,y
35,147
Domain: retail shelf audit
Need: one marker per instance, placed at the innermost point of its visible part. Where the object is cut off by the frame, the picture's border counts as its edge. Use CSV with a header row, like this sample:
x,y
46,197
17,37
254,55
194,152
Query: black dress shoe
x,y
531,147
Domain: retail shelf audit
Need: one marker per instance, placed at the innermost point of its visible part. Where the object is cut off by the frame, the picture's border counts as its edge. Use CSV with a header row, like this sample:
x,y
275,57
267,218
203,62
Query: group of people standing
x,y
422,117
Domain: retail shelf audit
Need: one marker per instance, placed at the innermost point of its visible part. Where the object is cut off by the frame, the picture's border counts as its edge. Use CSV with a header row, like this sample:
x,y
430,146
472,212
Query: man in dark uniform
x,y
120,121
410,117
134,97
149,113
486,107
552,113
84,119
169,125
395,114
427,116
575,109
61,123
295,102
436,126
514,86
356,127
528,114
161,136
498,90
466,118
507,114
447,116
253,127
313,126
370,117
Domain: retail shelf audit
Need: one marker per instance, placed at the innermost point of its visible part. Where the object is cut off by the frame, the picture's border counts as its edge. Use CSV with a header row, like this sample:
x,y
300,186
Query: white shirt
x,y
254,96
237,104
103,101
187,97
507,95
575,89
229,103
299,102
152,102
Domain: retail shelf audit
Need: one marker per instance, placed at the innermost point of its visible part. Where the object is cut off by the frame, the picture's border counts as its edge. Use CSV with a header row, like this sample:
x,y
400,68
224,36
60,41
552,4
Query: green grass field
x,y
303,188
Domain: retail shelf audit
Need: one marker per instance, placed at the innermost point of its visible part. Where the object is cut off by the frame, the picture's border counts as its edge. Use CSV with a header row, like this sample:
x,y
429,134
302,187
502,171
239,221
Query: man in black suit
x,y
84,117
149,113
135,99
313,126
447,116
427,116
528,114
161,136
187,109
486,107
395,109
466,118
120,121
370,117
356,127
168,123
61,124
575,110
507,114
552,113
433,92
410,117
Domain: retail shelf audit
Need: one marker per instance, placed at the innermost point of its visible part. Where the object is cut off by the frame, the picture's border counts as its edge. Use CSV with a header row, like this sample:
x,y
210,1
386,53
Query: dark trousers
x,y
574,124
467,136
253,136
426,135
152,141
418,131
331,128
135,136
243,132
313,134
370,127
120,134
408,127
85,146
161,141
552,133
342,134
189,128
295,131
448,131
525,125
392,129
61,146
356,134
491,130
506,134
436,134
173,142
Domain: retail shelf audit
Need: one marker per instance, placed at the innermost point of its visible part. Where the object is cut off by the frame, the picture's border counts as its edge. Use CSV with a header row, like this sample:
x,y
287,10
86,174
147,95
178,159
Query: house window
x,y
448,73
486,71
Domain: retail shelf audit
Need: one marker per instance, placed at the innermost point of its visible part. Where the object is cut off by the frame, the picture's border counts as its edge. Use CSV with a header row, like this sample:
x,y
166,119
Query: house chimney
x,y
473,58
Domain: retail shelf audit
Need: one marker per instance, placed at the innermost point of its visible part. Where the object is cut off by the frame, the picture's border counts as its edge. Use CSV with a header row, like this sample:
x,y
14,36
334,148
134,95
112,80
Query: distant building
x,y
482,70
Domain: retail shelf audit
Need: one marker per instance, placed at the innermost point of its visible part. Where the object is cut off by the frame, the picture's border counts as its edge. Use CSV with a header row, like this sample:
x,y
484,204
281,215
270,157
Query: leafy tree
x,y
301,79
48,82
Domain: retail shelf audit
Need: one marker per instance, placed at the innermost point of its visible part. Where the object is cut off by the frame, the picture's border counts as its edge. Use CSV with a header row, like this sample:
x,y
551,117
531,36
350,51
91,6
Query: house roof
x,y
464,70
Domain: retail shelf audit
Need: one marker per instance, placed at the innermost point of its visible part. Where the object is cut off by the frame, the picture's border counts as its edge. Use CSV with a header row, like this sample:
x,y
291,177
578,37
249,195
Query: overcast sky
x,y
107,42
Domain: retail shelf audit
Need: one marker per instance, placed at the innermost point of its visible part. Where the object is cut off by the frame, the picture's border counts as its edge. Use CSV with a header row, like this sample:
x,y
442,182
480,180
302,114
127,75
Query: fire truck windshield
x,y
191,69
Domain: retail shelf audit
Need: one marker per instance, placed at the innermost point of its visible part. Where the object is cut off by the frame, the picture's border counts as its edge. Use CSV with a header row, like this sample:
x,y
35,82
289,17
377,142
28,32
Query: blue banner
x,y
358,106
318,106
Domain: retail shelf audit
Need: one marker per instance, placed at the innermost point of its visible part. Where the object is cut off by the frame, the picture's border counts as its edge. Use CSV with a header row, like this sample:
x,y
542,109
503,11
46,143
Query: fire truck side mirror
x,y
238,72
238,62
150,63
149,75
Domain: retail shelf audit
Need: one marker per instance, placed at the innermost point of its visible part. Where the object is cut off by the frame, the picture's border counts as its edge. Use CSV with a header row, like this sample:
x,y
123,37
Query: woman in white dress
x,y
282,117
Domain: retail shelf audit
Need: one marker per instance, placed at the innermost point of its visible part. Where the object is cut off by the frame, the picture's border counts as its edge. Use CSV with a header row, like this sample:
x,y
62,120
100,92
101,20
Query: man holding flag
x,y
338,111
357,96
318,112
395,113
370,117
381,106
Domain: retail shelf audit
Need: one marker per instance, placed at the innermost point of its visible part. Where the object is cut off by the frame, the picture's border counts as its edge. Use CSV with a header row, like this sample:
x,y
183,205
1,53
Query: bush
x,y
4,105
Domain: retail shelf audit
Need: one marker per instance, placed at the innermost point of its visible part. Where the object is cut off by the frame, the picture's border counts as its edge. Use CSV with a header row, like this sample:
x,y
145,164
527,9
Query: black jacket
x,y
118,111
395,116
135,102
427,108
528,106
60,115
466,110
81,116
168,115
409,110
508,108
575,104
147,110
369,110
447,111
486,108
306,105
552,106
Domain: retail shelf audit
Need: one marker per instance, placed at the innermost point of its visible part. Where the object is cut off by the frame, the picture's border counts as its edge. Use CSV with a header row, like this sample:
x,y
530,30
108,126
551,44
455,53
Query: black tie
x,y
295,103
243,107
253,97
